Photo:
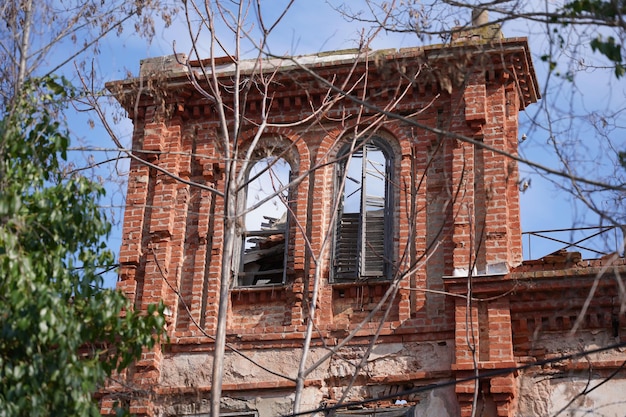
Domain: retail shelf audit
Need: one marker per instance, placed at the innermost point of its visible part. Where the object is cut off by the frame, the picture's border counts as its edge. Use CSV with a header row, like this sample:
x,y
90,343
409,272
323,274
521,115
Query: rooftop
x,y
510,55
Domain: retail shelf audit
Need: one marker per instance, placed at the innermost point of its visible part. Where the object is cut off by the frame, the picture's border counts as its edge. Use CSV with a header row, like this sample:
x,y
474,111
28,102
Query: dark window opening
x,y
363,242
264,240
378,412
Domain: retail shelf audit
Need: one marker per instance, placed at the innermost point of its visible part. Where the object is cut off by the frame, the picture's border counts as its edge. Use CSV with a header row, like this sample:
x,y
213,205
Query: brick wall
x,y
182,232
455,215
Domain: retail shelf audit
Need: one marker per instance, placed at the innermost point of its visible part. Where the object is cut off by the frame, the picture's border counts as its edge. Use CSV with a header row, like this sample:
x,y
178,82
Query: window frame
x,y
363,272
265,230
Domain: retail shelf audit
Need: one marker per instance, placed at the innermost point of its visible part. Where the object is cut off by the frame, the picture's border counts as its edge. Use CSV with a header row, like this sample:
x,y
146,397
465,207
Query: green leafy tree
x,y
61,333
608,14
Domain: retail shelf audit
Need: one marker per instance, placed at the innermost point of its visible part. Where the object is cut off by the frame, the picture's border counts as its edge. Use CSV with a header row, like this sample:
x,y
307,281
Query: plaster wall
x,y
449,195
578,396
325,384
580,386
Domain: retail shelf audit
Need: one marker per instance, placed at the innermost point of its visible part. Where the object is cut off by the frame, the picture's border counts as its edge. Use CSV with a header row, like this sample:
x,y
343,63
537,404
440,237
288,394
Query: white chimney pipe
x,y
480,17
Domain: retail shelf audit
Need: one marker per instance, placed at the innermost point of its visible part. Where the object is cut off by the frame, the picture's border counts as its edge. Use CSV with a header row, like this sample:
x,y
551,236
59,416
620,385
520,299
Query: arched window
x,y
264,240
363,233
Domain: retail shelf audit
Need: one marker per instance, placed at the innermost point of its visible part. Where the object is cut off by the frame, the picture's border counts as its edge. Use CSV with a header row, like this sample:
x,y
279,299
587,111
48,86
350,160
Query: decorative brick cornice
x,y
298,85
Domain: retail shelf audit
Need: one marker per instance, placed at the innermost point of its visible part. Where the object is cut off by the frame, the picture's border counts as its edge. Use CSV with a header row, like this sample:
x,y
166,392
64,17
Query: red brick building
x,y
416,271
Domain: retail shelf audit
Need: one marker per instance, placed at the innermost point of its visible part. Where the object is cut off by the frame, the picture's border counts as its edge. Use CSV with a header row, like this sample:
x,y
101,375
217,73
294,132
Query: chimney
x,y
169,64
480,17
480,29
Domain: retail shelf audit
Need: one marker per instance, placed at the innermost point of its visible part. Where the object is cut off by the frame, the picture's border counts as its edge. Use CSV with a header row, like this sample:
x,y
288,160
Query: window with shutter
x,y
363,244
264,245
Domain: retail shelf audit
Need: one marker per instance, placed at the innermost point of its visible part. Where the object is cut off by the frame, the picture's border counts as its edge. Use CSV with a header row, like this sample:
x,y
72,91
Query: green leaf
x,y
61,342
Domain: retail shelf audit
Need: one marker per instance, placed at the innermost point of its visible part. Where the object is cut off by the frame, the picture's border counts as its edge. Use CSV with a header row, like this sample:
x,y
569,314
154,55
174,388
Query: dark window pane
x,y
264,240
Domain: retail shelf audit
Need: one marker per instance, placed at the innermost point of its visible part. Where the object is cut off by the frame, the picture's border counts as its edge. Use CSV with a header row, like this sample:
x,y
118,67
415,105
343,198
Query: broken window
x,y
264,240
363,243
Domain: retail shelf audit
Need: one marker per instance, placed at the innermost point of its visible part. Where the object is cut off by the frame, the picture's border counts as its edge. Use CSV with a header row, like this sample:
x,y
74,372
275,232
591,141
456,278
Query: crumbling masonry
x,y
442,224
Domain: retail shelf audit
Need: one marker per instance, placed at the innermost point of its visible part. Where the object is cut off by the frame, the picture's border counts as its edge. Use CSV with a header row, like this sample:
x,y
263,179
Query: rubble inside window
x,y
264,253
264,241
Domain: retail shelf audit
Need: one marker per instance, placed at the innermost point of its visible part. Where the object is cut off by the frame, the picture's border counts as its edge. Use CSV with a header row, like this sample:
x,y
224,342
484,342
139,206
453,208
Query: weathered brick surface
x,y
455,233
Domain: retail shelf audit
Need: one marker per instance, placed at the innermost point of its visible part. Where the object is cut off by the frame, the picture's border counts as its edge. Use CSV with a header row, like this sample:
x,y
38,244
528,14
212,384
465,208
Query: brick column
x,y
502,223
483,344
502,388
466,335
131,252
165,196
462,187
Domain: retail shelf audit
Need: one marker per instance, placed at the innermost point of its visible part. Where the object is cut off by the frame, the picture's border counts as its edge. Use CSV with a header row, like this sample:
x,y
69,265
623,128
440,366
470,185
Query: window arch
x,y
363,244
264,246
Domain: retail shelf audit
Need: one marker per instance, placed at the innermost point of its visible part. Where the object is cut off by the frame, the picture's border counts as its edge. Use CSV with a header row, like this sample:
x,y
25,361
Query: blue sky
x,y
313,26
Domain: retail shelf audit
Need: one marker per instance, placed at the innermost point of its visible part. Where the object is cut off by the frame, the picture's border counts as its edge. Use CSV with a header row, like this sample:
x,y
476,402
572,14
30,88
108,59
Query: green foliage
x,y
622,158
610,49
600,9
61,333
602,12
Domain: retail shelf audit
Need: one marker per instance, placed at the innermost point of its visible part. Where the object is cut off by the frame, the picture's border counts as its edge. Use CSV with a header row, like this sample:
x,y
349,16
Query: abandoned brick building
x,y
397,217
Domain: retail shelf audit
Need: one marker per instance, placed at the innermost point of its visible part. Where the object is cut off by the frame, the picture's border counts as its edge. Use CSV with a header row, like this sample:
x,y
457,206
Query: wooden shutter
x,y
362,235
373,252
347,247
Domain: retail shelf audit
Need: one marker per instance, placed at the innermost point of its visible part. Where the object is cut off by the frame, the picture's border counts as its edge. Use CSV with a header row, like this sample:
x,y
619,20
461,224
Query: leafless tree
x,y
230,31
239,35
36,32
412,17
574,43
